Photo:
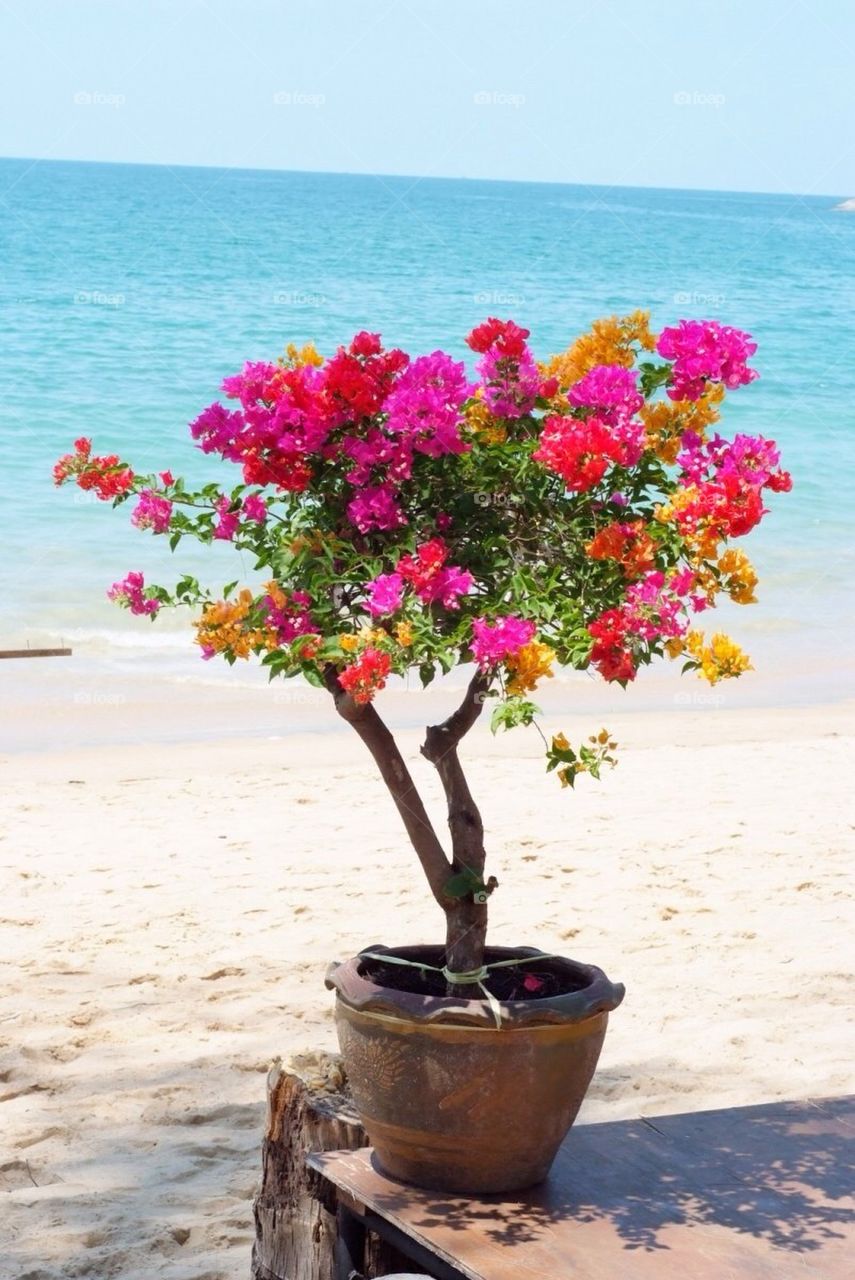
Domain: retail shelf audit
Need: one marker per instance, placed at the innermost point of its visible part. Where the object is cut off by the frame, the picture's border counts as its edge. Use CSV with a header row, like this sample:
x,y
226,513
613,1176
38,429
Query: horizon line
x,y
336,173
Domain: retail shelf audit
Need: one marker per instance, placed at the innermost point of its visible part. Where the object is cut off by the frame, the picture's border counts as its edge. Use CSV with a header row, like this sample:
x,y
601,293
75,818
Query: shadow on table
x,y
779,1173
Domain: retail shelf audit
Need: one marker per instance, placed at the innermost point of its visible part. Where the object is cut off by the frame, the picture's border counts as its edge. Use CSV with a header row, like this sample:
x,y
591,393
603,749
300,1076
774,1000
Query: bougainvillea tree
x,y
406,516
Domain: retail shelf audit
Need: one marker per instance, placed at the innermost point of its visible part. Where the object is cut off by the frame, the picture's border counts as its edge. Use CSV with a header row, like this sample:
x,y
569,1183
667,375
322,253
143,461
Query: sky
x,y
753,95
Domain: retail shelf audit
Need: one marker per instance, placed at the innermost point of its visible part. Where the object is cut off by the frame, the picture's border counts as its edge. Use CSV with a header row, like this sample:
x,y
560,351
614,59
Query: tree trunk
x,y
466,918
308,1109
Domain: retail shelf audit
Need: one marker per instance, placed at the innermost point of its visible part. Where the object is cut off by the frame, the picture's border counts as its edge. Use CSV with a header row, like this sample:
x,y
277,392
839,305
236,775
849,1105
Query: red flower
x,y
507,338
367,676
579,452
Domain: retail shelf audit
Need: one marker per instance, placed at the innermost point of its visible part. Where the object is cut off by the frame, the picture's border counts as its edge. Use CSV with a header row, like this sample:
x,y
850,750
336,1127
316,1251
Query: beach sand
x,y
168,913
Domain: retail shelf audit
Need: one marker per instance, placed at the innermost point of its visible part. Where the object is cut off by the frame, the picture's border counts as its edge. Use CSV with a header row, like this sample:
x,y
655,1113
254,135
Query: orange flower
x,y
610,341
630,544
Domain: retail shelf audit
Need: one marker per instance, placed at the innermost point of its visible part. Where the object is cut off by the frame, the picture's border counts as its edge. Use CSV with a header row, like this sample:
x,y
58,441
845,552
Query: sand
x,y
168,913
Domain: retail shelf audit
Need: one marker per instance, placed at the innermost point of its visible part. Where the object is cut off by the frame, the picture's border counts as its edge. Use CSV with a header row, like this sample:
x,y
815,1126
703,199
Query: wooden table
x,y
747,1193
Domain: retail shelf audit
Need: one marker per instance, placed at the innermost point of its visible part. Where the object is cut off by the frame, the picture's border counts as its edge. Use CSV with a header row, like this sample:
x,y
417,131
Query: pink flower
x,y
130,593
217,430
705,351
288,614
425,405
610,390
448,586
254,508
152,512
746,461
384,594
166,478
375,507
511,384
373,450
228,521
252,383
495,641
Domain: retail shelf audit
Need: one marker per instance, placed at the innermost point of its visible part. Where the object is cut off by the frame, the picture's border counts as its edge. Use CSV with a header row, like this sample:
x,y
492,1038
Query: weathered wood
x,y
35,653
308,1109
763,1193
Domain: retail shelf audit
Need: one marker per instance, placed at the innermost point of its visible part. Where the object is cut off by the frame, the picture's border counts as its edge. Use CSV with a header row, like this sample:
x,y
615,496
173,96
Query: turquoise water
x,y
129,291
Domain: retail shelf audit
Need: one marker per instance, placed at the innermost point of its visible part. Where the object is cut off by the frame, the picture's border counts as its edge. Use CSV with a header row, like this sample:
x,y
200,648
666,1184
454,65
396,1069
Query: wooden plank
x,y
35,653
750,1193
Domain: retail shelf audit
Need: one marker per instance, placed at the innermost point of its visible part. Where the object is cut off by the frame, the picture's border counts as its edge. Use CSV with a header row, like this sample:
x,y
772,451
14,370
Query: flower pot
x,y
450,1100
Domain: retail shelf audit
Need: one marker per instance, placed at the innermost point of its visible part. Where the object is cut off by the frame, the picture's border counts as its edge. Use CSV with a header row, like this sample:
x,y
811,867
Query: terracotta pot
x,y
450,1101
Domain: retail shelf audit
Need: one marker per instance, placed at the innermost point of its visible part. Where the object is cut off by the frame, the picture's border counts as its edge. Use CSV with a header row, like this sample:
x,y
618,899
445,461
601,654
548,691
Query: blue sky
x,y
751,95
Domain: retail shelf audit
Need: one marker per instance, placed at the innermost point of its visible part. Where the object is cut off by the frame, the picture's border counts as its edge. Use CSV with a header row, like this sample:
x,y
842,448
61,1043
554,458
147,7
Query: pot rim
x,y
598,994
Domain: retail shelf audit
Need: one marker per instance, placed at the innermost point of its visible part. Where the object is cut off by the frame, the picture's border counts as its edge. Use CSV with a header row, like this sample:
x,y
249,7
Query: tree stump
x,y
308,1109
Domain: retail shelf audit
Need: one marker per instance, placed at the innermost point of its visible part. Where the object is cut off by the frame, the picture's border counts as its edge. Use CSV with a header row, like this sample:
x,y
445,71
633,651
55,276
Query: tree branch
x,y
380,742
466,920
440,747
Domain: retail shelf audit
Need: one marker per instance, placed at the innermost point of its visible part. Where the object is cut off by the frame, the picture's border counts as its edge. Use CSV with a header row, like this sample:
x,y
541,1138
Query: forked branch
x,y
380,742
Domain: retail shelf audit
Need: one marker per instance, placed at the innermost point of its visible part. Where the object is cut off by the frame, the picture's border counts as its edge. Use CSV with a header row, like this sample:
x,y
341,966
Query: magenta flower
x,y
446,587
130,593
254,508
152,512
495,641
425,405
252,383
287,614
384,594
228,521
610,390
375,507
705,351
217,429
749,460
511,384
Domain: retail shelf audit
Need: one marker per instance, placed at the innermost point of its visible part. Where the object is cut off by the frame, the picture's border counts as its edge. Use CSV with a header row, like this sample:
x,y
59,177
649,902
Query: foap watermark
x,y
95,298
98,698
298,98
496,98
299,298
97,98
699,698
697,98
300,695
498,499
498,298
697,298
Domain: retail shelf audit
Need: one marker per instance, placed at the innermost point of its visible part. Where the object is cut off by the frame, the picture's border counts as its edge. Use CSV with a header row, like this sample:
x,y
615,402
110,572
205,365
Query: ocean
x,y
129,291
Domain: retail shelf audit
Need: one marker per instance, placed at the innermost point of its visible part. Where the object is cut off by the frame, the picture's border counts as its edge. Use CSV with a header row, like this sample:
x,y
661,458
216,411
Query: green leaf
x,y
512,712
459,885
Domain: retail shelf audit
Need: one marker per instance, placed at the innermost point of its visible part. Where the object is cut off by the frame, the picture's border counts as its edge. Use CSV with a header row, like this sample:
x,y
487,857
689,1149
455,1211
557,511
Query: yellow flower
x,y
740,578
720,659
296,356
559,742
404,634
666,420
482,424
224,627
529,664
674,647
610,341
349,643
